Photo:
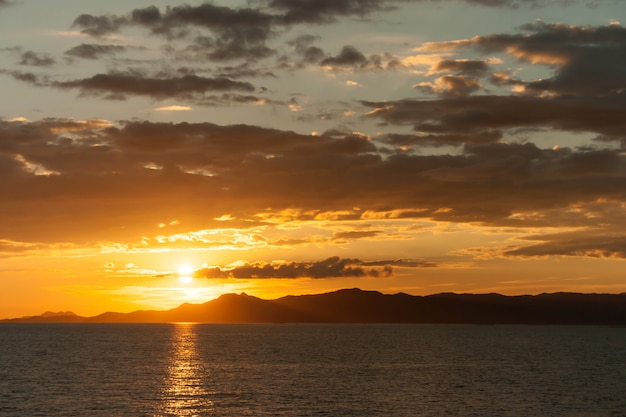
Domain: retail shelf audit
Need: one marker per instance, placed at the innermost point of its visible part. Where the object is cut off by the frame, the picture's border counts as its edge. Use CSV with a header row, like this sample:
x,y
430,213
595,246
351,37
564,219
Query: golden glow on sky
x,y
149,157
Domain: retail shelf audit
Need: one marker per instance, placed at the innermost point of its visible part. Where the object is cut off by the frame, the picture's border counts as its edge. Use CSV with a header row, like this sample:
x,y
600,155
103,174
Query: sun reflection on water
x,y
184,393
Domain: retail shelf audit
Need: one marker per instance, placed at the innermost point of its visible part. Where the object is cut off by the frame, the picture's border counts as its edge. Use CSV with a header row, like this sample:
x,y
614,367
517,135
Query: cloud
x,y
357,234
219,19
118,85
587,60
471,67
38,60
237,32
222,33
350,58
479,114
322,12
597,243
402,263
94,51
328,11
27,77
105,179
304,48
31,58
333,267
242,71
230,46
99,26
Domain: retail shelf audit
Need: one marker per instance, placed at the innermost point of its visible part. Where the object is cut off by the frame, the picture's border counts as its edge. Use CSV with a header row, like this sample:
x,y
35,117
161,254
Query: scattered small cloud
x,y
94,51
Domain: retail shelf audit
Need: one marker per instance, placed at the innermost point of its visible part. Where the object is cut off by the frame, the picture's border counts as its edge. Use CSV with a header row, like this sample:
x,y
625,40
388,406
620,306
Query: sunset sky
x,y
155,152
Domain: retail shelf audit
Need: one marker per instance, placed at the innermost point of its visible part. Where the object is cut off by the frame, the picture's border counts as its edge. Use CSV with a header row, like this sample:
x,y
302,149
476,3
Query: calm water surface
x,y
311,370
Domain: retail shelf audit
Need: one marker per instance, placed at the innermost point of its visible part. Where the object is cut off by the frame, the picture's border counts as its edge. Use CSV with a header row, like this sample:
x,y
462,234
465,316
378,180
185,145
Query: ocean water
x,y
311,370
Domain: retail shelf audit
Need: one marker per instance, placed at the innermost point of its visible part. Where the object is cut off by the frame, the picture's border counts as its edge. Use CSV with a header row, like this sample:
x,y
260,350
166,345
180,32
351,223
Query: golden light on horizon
x,y
360,163
185,279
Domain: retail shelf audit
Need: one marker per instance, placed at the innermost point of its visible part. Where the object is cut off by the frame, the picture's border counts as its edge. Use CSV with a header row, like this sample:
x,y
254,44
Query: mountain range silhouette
x,y
358,306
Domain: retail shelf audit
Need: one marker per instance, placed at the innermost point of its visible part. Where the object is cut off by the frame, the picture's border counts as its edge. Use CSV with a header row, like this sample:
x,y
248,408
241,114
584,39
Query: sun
x,y
185,274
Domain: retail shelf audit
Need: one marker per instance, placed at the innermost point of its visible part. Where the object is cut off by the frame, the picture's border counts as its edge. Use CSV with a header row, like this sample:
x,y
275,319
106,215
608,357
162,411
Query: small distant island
x,y
359,306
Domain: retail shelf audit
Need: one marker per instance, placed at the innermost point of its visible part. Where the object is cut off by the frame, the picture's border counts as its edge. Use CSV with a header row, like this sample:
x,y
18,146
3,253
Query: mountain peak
x,y
57,314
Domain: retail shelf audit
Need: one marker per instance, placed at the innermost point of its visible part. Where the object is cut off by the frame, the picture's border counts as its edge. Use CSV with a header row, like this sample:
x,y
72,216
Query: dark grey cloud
x,y
220,19
328,11
587,60
94,51
225,99
230,46
350,58
27,77
477,114
99,26
598,243
325,11
469,67
237,33
147,16
36,59
243,32
30,58
333,267
248,21
119,85
244,70
304,48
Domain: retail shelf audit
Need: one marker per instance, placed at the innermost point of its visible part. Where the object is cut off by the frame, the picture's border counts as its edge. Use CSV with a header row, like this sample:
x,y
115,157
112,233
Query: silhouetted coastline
x,y
358,306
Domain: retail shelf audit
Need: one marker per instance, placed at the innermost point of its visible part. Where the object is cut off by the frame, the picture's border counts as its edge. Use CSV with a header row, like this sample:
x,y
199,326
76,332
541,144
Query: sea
x,y
186,369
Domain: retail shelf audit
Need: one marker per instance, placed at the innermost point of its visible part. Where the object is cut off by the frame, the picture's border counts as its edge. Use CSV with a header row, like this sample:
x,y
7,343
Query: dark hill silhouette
x,y
49,317
357,306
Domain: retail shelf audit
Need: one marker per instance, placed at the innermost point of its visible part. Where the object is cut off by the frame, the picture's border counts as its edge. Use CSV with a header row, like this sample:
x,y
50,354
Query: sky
x,y
155,152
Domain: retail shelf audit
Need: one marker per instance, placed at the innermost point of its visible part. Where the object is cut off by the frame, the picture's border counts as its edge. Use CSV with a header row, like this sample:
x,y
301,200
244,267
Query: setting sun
x,y
185,274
